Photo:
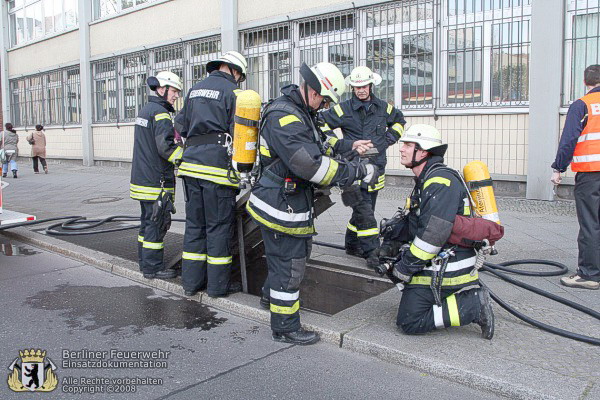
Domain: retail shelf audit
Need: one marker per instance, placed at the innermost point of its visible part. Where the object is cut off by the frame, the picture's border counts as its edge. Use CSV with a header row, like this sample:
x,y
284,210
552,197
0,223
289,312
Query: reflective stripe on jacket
x,y
154,151
209,108
441,196
586,157
291,147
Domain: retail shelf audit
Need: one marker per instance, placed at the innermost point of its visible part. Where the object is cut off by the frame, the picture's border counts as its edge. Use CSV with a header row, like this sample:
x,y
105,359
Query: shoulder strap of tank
x,y
440,167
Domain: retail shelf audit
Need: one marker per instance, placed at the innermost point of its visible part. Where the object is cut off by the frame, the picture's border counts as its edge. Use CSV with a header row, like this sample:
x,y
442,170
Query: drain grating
x,y
102,200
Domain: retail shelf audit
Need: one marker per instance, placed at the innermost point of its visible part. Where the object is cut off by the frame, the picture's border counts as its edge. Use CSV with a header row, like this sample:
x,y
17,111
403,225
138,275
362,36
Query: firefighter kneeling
x,y
441,282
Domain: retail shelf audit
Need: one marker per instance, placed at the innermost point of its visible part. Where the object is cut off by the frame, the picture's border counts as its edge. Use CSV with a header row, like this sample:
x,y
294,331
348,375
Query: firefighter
x,y
580,146
206,121
438,197
152,171
293,161
365,116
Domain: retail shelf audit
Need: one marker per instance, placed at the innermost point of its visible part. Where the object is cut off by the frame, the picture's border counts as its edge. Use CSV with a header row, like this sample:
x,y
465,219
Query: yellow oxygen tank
x,y
477,177
245,131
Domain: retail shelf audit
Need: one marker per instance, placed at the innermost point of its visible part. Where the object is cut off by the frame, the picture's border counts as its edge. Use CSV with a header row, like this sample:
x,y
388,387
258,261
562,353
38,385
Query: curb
x,y
245,306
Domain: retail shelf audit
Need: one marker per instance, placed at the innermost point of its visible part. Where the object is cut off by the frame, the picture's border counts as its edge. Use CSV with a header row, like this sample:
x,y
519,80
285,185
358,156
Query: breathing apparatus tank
x,y
245,131
479,182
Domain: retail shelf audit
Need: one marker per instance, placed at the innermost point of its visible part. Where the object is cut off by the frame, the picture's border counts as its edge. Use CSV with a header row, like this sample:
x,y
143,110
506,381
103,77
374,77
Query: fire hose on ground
x,y
79,225
495,270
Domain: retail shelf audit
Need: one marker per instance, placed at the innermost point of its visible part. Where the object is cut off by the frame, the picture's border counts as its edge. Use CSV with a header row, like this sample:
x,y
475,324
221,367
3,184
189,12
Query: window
x,y
105,8
51,98
510,62
582,43
485,53
465,65
269,59
398,45
120,83
327,38
31,20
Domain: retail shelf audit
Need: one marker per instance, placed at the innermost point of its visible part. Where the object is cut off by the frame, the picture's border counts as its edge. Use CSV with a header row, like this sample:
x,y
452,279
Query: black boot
x,y
372,259
486,314
14,173
164,274
4,174
265,302
355,251
301,337
232,287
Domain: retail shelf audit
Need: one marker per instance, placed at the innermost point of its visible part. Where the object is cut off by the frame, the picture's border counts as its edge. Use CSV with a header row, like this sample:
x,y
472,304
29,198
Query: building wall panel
x,y
179,18
113,143
252,10
60,143
55,52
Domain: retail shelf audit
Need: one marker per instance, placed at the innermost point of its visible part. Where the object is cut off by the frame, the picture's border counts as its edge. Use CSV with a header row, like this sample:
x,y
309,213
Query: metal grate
x,y
268,51
51,98
120,88
582,44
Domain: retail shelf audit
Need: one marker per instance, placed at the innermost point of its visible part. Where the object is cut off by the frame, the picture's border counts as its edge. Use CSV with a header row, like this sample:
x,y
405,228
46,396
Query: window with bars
x,y
582,45
485,53
398,44
105,8
52,98
328,38
268,52
31,20
120,83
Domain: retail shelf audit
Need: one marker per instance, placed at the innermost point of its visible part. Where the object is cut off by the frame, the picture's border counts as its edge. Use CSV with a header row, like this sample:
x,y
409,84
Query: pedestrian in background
x,y
580,146
8,142
37,140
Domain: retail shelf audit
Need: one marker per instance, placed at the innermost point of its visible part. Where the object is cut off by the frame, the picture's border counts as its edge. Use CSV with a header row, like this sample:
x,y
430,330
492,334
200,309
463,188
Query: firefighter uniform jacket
x,y
380,122
438,197
154,151
291,147
209,109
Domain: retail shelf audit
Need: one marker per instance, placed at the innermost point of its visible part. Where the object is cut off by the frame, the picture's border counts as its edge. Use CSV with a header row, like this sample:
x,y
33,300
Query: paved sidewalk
x,y
521,361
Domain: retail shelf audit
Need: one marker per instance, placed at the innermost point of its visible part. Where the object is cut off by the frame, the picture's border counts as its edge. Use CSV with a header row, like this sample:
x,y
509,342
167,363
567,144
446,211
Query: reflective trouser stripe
x,y
140,239
453,310
275,294
285,310
219,260
193,256
438,316
363,232
154,245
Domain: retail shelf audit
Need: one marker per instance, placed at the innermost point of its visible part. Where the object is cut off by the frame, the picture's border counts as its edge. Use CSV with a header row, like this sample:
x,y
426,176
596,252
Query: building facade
x,y
496,76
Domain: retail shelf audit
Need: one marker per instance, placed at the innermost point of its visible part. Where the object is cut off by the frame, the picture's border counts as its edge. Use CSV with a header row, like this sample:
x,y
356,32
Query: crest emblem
x,y
32,373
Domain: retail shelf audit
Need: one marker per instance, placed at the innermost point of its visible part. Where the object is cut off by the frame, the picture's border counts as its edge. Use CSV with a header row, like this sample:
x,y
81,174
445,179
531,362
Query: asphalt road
x,y
70,309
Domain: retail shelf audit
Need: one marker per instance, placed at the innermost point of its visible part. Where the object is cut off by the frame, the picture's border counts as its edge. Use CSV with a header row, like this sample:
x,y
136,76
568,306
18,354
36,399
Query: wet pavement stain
x,y
8,249
123,310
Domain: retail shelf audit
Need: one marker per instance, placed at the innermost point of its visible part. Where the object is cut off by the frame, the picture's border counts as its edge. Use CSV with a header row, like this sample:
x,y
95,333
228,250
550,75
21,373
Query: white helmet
x,y
165,78
232,58
427,137
363,76
326,79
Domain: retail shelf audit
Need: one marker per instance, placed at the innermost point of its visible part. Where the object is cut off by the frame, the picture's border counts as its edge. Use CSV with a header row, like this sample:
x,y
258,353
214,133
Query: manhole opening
x,y
101,200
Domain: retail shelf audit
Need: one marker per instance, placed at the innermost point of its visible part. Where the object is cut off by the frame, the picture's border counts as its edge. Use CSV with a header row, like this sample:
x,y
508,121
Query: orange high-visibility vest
x,y
586,157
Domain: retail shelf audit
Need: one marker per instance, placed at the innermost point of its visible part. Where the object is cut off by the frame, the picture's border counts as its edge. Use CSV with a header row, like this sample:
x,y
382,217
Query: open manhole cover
x,y
100,200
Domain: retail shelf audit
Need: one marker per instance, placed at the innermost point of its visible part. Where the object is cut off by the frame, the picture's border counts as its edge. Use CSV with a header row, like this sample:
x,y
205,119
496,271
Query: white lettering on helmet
x,y
206,93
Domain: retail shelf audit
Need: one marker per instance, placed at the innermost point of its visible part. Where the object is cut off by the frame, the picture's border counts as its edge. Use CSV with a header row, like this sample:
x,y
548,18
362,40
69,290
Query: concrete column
x,y
5,44
545,80
229,25
85,17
